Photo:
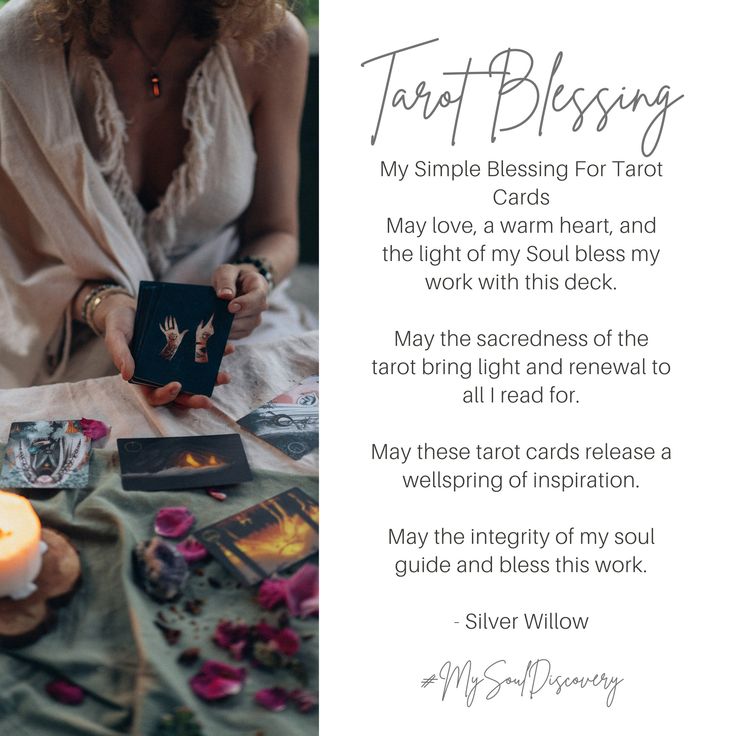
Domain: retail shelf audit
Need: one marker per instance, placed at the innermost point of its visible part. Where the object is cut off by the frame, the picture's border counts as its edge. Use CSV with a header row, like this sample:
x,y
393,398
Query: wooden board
x,y
23,622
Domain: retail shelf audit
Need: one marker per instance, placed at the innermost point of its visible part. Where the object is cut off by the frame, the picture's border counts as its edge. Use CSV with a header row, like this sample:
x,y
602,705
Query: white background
x,y
667,633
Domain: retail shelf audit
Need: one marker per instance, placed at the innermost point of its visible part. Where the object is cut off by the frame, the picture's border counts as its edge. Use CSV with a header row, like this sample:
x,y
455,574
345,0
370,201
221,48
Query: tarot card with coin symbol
x,y
46,454
290,421
266,538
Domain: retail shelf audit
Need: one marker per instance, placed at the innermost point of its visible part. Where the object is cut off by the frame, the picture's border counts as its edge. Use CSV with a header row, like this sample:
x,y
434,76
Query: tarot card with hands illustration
x,y
46,454
180,335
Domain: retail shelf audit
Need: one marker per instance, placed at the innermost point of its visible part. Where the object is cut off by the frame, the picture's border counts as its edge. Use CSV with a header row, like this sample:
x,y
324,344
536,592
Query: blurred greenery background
x,y
308,11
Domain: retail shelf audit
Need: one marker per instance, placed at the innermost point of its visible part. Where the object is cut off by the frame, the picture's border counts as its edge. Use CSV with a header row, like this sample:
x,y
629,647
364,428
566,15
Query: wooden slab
x,y
23,622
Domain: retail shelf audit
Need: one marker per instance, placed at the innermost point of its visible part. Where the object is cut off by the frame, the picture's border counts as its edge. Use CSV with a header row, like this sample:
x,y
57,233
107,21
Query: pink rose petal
x,y
237,650
174,521
192,550
228,633
264,631
232,636
302,591
309,607
93,429
217,680
287,641
271,594
217,495
65,692
272,698
304,700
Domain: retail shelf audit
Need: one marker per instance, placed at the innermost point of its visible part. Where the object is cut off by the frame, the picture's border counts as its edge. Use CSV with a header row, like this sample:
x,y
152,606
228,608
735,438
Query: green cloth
x,y
106,641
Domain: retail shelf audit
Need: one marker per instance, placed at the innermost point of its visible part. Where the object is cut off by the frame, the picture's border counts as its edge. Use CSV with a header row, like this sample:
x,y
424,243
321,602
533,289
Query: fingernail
x,y
175,390
234,308
226,292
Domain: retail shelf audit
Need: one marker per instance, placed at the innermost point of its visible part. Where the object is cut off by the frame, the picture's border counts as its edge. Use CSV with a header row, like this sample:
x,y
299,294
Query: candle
x,y
21,547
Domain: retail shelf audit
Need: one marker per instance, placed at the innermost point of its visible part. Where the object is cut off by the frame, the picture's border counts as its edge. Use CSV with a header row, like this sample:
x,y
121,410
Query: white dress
x,y
213,184
192,229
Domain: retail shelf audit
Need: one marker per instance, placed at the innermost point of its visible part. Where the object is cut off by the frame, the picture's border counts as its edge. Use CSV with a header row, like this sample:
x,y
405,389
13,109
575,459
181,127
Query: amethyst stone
x,y
160,569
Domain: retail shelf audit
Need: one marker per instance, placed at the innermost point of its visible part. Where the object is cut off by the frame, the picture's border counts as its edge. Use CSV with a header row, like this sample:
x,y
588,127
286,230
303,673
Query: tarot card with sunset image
x,y
266,538
178,463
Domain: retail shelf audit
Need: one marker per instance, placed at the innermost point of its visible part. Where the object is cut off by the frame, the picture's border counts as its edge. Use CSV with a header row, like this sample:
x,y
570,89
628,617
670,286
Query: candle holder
x,y
24,621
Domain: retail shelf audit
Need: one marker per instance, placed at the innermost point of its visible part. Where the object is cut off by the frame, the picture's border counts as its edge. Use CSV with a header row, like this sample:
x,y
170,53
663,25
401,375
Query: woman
x,y
139,140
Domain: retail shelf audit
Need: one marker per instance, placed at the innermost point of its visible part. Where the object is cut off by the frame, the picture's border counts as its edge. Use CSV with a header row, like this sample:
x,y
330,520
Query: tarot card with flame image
x,y
266,538
177,463
46,454
290,421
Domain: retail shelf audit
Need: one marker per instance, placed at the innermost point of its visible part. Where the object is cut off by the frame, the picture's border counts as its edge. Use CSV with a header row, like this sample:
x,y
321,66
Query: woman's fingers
x,y
117,346
163,395
229,349
243,326
193,401
171,393
253,302
225,281
252,295
118,330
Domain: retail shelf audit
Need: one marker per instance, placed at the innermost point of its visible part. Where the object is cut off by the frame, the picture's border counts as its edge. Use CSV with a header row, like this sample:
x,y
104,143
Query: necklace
x,y
154,77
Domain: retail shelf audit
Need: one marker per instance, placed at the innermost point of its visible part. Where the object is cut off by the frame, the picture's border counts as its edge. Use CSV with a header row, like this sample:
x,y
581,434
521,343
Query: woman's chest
x,y
153,105
180,166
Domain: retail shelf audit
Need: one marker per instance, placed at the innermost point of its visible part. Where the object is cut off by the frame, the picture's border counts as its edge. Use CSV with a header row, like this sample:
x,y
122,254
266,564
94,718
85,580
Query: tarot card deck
x,y
178,463
290,421
180,334
46,454
265,538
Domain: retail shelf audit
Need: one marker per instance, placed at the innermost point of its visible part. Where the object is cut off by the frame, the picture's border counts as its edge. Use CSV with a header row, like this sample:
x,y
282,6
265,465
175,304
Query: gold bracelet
x,y
102,292
91,294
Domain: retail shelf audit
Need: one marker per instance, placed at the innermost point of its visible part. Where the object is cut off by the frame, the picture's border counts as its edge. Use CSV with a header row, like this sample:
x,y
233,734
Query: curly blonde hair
x,y
250,22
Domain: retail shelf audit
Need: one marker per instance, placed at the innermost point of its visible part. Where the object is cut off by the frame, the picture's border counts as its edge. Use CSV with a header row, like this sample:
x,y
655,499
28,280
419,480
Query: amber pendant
x,y
155,81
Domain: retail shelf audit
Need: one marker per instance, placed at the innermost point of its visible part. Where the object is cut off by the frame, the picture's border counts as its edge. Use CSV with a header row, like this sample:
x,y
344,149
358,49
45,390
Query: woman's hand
x,y
247,291
115,316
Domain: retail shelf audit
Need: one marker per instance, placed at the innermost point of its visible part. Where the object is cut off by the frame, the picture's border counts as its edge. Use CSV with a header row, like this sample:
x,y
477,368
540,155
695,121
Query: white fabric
x,y
59,222
258,374
214,182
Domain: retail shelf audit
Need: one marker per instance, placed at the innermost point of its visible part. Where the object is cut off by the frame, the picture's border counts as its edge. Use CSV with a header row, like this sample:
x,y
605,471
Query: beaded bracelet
x,y
93,300
262,266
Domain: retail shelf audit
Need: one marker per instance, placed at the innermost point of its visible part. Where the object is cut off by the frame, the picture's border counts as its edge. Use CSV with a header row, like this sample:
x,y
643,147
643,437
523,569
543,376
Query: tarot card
x,y
180,334
46,454
290,421
265,538
178,463
147,292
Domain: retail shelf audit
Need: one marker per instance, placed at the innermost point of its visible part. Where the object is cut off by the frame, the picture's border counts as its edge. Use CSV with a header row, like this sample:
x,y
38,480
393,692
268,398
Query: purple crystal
x,y
160,569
